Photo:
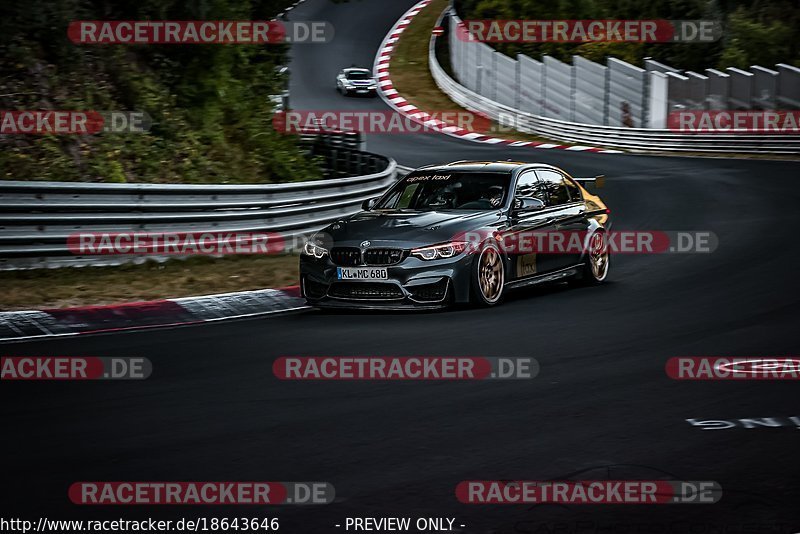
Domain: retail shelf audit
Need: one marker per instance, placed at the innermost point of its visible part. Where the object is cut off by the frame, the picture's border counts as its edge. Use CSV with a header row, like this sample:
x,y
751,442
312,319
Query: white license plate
x,y
362,273
362,90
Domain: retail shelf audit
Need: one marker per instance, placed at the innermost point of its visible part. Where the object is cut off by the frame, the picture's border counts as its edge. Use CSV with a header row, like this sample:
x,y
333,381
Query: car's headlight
x,y
443,251
312,249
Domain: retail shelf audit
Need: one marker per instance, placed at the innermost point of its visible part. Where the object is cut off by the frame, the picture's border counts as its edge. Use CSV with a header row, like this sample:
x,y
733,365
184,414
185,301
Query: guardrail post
x,y
517,84
606,100
697,90
741,96
334,162
658,106
718,89
765,87
788,86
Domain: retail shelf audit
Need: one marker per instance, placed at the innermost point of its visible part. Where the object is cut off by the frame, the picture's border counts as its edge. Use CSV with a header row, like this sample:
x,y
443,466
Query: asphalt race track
x,y
601,407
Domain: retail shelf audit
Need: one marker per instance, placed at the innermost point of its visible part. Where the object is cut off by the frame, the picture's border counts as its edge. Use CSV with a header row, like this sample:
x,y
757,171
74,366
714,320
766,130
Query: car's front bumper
x,y
361,91
412,283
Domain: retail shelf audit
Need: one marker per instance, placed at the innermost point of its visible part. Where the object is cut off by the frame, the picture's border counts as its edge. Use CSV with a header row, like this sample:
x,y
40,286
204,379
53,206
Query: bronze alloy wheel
x,y
598,256
491,275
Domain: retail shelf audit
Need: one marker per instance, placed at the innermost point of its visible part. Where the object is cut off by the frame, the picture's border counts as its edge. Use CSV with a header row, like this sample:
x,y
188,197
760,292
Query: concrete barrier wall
x,y
615,94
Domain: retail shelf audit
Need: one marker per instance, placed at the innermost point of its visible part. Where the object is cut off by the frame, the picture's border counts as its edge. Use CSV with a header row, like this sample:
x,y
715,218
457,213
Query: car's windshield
x,y
358,75
447,190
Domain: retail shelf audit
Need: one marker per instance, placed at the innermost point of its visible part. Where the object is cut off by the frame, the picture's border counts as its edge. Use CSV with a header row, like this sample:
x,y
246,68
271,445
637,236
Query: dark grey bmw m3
x,y
462,232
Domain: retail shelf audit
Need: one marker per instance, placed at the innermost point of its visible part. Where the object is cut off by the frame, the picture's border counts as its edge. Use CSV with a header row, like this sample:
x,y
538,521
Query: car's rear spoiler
x,y
598,181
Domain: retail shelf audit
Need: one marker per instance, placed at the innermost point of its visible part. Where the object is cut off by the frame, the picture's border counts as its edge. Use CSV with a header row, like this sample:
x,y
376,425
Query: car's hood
x,y
406,229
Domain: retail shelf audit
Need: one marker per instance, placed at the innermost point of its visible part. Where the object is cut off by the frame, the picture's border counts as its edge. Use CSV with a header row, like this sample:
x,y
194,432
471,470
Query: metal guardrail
x,y
643,139
342,152
332,139
36,218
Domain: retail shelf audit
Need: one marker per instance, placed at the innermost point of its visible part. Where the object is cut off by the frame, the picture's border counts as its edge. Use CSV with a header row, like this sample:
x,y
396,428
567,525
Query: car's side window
x,y
400,199
408,196
555,184
528,186
391,200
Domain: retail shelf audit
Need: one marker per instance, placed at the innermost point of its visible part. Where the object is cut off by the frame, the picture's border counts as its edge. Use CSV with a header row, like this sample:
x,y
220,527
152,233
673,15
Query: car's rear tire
x,y
488,276
596,264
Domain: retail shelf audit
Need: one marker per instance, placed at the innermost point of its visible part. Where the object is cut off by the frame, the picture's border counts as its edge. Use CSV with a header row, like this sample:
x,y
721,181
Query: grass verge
x,y
411,73
60,288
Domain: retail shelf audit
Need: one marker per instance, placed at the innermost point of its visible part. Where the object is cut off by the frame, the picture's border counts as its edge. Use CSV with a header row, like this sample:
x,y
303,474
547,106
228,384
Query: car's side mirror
x,y
369,203
528,204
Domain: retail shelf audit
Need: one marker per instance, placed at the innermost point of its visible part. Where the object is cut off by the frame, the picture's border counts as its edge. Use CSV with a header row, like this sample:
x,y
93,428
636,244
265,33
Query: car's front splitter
x,y
406,280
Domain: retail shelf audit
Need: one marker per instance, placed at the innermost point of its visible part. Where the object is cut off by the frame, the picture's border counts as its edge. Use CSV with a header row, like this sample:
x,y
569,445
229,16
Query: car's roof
x,y
355,69
483,166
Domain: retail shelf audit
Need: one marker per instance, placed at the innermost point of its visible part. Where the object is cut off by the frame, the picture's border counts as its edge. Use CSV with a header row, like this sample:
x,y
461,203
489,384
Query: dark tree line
x,y
755,32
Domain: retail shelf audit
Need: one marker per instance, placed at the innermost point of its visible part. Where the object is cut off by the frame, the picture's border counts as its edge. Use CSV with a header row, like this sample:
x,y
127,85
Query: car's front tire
x,y
488,276
596,262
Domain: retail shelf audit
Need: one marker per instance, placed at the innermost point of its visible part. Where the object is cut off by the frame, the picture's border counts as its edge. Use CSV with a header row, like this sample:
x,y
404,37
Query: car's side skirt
x,y
546,277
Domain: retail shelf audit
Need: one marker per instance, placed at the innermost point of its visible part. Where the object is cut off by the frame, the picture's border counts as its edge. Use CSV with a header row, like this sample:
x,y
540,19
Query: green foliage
x,y
209,104
599,52
755,42
755,32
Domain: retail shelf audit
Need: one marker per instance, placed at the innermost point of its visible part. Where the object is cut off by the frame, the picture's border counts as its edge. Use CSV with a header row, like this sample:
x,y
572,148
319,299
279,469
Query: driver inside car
x,y
441,200
490,198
